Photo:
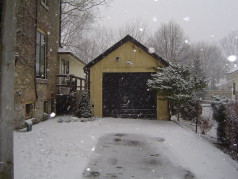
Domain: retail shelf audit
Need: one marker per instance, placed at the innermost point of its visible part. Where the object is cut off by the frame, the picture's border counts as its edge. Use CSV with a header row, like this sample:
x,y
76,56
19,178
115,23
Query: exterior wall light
x,y
129,62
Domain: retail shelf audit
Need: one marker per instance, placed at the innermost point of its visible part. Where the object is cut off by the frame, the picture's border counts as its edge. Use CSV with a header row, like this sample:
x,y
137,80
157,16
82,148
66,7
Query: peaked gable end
x,y
128,38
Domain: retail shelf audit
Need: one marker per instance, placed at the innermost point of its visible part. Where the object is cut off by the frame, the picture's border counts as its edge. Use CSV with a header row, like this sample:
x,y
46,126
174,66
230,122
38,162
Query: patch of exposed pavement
x,y
123,156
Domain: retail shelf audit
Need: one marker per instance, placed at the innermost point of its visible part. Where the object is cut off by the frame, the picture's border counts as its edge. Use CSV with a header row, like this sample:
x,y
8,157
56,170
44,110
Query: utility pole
x,y
7,64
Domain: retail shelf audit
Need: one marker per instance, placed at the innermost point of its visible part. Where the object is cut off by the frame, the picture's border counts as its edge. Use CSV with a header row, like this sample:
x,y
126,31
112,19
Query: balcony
x,y
70,84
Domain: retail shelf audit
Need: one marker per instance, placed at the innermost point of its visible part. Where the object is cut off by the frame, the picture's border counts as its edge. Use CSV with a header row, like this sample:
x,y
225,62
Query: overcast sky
x,y
208,20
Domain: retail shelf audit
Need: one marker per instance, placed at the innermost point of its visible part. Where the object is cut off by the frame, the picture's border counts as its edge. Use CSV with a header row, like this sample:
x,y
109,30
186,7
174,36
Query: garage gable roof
x,y
120,43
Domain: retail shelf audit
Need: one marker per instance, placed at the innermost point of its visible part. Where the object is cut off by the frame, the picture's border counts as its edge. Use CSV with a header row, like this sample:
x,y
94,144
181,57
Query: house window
x,y
234,89
46,107
29,110
40,55
64,67
45,3
64,70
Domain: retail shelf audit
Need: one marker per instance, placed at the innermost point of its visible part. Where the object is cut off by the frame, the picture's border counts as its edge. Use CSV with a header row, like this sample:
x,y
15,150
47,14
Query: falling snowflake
x,y
186,41
154,19
52,114
48,33
156,0
187,19
235,65
151,50
93,149
232,58
212,35
88,169
141,29
134,50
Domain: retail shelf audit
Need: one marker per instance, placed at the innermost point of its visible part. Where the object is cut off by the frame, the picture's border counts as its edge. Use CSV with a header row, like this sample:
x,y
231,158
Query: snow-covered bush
x,y
177,84
84,107
191,110
220,115
226,115
232,113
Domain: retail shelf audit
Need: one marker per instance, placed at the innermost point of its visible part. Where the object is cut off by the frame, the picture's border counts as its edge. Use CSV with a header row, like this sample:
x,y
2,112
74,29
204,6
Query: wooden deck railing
x,y
70,83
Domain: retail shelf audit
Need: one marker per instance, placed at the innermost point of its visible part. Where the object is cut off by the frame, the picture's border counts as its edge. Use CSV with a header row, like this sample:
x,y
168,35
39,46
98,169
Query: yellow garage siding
x,y
140,62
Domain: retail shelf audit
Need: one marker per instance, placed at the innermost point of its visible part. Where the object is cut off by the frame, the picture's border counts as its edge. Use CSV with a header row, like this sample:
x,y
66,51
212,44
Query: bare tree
x,y
170,42
101,38
78,17
135,28
207,60
229,45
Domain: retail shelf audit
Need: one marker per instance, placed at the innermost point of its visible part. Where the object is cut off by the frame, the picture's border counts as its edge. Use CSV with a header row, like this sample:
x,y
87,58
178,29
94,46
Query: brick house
x,y
36,62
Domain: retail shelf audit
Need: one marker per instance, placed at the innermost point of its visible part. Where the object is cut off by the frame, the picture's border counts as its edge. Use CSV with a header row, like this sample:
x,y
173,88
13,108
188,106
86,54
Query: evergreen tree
x,y
84,106
219,114
176,84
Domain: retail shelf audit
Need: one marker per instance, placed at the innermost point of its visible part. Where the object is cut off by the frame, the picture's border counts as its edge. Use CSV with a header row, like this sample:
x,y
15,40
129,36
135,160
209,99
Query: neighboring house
x,y
71,67
71,82
118,82
71,64
233,78
37,64
223,89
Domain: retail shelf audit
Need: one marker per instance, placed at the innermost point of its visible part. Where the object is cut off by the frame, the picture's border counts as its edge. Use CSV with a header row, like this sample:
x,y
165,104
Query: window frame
x,y
64,66
29,114
41,48
46,106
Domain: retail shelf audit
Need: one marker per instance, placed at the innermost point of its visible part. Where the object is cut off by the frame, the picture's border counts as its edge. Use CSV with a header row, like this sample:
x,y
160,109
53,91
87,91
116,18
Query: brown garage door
x,y
126,95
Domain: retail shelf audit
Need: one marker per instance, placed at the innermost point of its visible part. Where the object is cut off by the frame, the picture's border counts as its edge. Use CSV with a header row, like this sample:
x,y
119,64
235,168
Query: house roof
x,y
235,69
120,43
66,52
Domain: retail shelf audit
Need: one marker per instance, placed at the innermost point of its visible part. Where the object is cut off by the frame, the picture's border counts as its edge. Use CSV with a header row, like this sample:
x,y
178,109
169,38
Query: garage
x,y
117,82
126,95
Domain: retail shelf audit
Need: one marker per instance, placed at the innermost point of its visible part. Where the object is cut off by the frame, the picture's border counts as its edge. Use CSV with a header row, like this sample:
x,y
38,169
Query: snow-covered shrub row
x,y
226,115
75,119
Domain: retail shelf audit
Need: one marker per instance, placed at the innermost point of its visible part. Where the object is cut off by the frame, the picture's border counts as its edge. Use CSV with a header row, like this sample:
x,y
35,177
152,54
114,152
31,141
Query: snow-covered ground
x,y
64,150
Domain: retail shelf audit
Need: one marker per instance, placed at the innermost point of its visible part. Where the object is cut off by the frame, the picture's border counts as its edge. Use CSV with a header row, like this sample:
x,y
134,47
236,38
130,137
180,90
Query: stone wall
x,y
33,15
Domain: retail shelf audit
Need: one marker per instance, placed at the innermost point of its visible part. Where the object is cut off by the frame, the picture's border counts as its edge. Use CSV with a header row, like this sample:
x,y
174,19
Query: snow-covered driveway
x,y
67,150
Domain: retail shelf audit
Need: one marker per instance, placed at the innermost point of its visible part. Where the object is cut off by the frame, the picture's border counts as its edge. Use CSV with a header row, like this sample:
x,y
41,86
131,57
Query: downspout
x,y
60,45
87,72
36,95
